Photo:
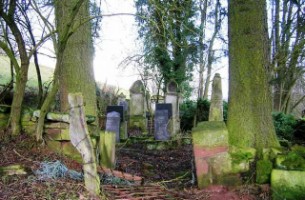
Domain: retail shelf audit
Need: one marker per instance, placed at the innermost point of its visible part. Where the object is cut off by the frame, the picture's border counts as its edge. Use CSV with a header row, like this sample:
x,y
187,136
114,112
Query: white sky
x,y
118,39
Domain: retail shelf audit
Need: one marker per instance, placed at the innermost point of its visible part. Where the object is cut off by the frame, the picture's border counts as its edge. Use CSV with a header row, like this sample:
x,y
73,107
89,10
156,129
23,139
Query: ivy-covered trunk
x,y
76,70
249,116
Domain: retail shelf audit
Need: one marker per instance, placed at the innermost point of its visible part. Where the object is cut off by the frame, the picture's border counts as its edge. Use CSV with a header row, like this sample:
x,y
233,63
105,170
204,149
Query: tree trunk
x,y
76,69
249,116
15,114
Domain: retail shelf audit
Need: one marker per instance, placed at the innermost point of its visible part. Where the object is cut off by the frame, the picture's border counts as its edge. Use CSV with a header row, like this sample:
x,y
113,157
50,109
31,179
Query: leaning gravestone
x,y
113,124
161,123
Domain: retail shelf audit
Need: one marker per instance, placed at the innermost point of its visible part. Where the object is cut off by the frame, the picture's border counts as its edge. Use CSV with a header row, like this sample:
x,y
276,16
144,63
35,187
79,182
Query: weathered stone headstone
x,y
172,97
137,112
165,106
216,107
118,109
113,124
161,124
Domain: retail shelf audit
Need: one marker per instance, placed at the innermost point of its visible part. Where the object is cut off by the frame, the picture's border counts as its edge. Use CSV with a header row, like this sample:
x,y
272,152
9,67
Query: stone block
x,y
289,185
65,148
210,134
57,134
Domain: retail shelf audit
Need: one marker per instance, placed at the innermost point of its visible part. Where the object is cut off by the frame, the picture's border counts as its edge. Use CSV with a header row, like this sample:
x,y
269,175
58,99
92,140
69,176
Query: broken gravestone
x,y
80,139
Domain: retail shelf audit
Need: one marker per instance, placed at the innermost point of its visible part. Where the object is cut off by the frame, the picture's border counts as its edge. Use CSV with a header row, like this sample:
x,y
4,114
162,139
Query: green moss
x,y
107,149
209,134
263,171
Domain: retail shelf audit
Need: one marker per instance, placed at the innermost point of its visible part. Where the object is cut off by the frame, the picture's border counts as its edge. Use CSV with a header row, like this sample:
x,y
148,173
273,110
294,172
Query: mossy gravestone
x,y
137,119
212,159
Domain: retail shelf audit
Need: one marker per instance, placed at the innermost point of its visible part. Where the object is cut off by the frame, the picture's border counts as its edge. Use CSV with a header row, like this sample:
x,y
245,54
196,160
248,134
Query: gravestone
x,y
113,124
216,107
161,124
137,113
165,106
172,97
118,109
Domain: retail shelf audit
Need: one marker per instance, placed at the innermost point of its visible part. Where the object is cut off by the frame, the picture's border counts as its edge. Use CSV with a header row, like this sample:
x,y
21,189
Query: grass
x,y
5,74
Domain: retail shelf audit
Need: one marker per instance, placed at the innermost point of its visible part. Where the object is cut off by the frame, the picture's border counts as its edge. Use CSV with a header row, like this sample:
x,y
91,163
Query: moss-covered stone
x,y
107,149
289,185
57,134
138,122
209,134
263,171
65,148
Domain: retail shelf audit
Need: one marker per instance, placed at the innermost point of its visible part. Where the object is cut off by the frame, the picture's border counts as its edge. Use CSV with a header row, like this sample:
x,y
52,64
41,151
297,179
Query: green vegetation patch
x,y
263,171
289,185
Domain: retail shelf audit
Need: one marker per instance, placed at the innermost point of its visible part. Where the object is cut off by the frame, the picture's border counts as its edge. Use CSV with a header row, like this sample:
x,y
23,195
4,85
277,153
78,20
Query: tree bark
x,y
76,69
249,116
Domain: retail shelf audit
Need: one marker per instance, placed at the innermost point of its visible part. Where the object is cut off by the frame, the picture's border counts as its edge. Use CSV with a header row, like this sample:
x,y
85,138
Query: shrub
x,y
284,125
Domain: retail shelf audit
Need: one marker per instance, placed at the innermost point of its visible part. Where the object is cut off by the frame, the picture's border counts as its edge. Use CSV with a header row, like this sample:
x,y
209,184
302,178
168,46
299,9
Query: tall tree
x,y
168,31
249,115
76,67
287,51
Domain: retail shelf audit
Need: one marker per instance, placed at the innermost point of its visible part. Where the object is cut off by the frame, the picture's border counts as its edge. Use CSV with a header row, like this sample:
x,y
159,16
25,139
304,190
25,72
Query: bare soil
x,y
167,174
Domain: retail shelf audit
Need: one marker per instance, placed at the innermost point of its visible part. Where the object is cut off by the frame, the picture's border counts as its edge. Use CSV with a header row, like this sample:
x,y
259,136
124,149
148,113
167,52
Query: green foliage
x,y
263,171
295,159
240,156
299,132
169,35
188,110
284,125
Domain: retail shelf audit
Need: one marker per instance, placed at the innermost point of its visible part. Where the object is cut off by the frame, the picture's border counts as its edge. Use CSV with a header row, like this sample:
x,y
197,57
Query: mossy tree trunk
x,y
249,115
76,70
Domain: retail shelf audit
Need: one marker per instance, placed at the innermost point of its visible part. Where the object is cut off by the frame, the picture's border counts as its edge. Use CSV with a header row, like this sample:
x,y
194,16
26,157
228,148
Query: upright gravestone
x,y
113,124
137,119
216,107
172,97
123,102
161,125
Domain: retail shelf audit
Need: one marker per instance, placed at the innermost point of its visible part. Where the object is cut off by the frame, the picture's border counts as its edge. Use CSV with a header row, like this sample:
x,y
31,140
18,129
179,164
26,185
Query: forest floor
x,y
167,175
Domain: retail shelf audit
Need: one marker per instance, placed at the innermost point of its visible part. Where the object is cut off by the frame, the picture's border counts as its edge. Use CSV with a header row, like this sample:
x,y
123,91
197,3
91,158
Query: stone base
x,y
211,151
288,185
65,148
